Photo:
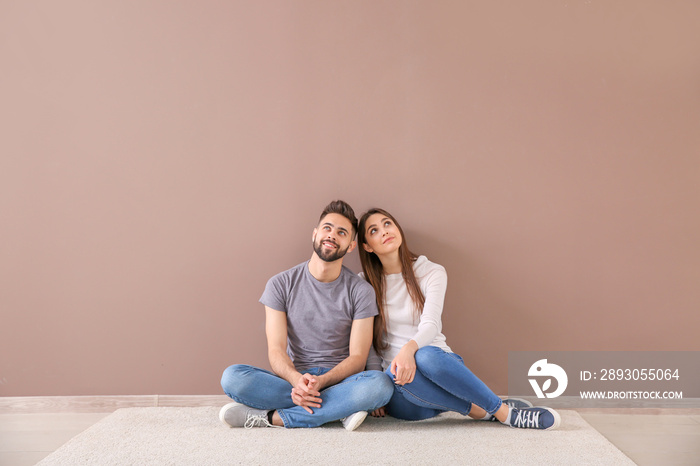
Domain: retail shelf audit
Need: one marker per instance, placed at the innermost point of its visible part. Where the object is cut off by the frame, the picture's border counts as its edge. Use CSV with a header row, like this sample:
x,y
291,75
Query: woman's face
x,y
382,236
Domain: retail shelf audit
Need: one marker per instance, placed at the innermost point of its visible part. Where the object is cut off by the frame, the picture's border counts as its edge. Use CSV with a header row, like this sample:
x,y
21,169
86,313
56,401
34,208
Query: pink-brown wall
x,y
161,160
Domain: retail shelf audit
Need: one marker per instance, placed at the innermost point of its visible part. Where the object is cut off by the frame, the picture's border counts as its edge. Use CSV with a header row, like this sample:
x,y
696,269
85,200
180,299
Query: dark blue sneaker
x,y
517,403
534,418
512,403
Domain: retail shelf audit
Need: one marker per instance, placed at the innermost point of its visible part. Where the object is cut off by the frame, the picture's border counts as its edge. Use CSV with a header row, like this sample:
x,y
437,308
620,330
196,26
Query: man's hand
x,y
306,392
379,412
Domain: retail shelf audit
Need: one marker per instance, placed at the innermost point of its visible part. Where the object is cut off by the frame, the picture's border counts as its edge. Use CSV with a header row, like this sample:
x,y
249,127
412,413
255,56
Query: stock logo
x,y
542,368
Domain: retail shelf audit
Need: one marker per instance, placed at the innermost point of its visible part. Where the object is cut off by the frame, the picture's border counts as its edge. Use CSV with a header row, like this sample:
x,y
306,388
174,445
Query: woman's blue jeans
x,y
442,383
261,389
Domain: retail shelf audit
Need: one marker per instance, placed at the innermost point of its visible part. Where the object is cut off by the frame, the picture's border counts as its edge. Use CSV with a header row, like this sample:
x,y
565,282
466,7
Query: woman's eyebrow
x,y
374,224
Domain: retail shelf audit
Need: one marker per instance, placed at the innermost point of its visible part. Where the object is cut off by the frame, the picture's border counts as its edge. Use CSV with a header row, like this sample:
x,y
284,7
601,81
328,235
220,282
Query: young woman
x,y
429,378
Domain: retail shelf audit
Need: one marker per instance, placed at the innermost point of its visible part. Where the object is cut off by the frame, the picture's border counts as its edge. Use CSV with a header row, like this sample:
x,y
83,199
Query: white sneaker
x,y
353,421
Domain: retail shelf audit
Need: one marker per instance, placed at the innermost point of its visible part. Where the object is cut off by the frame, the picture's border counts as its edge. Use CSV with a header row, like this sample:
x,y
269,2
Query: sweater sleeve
x,y
434,286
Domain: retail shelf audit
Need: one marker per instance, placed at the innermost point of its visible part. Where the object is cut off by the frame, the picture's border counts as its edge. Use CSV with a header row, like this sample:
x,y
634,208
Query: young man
x,y
319,320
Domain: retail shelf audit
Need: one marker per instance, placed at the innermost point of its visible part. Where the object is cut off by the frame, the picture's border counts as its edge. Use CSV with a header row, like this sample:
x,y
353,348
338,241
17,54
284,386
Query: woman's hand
x,y
403,367
379,412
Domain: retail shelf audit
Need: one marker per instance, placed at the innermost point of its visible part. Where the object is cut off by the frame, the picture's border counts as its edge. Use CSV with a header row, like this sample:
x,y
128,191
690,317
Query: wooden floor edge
x,y
102,404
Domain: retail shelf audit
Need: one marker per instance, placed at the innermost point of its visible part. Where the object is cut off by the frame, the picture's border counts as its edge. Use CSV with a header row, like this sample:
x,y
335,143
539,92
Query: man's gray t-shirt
x,y
319,315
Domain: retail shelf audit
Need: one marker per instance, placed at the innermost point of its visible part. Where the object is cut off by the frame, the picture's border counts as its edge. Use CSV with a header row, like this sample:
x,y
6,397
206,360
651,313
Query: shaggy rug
x,y
188,436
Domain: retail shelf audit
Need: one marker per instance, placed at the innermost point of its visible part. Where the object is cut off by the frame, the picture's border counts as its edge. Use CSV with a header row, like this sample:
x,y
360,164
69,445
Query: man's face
x,y
332,238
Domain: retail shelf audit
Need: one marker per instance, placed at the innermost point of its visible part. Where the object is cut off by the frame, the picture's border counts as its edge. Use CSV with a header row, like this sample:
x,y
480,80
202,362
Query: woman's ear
x,y
367,248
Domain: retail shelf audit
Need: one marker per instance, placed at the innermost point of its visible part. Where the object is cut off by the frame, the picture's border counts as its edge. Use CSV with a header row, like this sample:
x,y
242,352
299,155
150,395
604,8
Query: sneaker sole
x,y
557,418
222,413
356,421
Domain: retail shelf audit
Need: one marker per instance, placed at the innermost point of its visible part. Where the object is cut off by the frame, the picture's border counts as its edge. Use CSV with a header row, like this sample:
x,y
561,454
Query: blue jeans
x,y
442,383
258,388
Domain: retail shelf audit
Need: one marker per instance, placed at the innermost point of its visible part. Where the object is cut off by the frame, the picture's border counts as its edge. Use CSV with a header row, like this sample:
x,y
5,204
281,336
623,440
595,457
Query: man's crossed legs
x,y
265,392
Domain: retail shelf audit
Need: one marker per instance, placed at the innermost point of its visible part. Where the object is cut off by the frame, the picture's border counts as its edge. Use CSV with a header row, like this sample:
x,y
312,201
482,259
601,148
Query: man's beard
x,y
329,256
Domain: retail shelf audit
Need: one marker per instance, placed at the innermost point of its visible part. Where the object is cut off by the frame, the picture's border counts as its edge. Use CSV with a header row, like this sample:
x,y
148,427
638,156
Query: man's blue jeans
x,y
442,383
258,388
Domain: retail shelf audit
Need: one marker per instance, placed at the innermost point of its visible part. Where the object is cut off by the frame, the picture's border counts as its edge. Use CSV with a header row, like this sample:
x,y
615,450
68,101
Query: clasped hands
x,y
307,392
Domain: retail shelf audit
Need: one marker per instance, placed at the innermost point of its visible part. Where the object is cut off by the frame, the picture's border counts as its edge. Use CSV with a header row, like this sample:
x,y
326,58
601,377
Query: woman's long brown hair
x,y
374,274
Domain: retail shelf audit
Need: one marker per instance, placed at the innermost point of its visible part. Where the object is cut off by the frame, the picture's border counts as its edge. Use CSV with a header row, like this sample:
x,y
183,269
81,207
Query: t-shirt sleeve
x,y
275,296
364,301
434,288
374,361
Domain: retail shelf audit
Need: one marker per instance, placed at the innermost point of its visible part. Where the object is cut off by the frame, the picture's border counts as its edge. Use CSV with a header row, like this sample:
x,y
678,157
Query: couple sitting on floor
x,y
322,322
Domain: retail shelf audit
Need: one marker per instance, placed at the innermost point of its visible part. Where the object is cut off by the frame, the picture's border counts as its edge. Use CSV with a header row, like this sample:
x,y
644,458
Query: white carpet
x,y
195,436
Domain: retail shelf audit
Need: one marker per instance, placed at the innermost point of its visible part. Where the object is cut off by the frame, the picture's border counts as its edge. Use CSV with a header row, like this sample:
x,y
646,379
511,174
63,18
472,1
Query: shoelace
x,y
256,420
527,419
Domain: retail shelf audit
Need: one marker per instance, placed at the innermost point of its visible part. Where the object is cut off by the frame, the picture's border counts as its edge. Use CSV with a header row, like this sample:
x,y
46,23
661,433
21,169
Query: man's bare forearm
x,y
282,366
347,367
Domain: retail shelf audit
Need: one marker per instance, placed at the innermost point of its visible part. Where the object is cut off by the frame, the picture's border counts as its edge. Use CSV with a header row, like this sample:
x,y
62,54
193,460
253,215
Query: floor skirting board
x,y
102,404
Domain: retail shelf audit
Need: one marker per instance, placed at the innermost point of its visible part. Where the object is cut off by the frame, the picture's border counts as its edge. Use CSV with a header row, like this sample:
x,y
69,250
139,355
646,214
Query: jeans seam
x,y
285,419
405,391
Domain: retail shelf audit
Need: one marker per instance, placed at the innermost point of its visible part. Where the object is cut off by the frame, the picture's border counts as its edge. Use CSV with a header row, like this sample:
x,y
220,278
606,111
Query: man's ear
x,y
352,246
367,248
313,235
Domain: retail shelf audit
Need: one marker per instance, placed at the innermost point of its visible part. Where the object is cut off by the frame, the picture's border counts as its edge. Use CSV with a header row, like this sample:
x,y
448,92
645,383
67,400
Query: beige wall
x,y
161,160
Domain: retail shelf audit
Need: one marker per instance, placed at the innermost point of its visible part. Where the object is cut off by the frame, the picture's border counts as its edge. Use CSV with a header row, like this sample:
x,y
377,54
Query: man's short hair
x,y
341,208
